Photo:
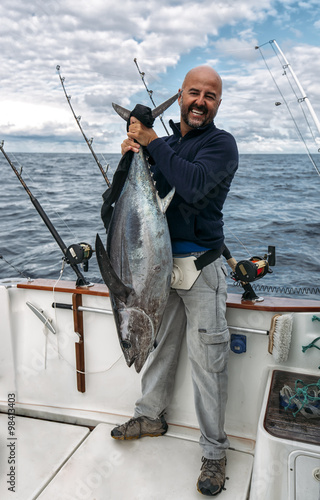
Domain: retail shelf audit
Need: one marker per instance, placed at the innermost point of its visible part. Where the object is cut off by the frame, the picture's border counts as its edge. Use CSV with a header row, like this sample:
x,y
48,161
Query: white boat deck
x,y
66,462
151,468
38,450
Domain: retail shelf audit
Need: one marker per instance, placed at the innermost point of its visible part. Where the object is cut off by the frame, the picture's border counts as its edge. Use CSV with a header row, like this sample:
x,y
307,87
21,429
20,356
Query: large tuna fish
x,y
137,266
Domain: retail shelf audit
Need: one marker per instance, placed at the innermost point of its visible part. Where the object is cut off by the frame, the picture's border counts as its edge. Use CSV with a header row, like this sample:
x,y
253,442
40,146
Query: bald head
x,y
200,99
206,74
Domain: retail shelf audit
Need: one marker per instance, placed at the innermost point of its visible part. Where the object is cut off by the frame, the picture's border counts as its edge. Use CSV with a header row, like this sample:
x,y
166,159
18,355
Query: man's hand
x,y
129,145
140,133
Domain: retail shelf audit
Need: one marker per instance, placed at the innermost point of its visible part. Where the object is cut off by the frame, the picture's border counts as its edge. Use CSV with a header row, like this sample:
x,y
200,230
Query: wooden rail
x,y
234,300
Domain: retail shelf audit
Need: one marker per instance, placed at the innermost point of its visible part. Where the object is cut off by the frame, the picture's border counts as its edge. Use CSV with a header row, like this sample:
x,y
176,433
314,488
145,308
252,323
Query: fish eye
x,y
125,344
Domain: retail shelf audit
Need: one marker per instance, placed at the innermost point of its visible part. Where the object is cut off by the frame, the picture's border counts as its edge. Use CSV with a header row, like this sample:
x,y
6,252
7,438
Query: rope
x,y
305,399
97,372
57,349
312,344
54,301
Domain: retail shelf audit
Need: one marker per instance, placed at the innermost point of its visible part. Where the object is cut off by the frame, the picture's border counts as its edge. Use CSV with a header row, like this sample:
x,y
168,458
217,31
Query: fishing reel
x,y
247,271
79,254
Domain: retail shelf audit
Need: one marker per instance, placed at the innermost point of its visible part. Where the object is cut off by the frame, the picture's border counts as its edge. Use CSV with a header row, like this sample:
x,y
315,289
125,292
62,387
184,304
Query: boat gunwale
x,y
233,301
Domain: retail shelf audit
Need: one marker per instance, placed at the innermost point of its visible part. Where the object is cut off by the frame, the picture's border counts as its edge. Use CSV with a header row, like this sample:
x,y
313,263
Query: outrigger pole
x,y
300,100
81,281
304,97
78,118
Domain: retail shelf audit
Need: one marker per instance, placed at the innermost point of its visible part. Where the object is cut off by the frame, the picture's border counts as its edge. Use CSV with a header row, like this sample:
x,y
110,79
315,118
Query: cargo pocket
x,y
215,275
214,350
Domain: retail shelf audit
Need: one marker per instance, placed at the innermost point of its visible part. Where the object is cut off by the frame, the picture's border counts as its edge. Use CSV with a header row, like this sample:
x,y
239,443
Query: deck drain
x,y
316,474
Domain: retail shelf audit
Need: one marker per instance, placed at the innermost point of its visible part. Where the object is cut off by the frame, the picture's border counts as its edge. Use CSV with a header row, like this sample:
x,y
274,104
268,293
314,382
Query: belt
x,y
208,257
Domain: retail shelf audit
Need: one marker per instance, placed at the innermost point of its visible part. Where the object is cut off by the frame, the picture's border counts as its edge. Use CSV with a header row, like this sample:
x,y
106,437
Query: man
x,y
199,160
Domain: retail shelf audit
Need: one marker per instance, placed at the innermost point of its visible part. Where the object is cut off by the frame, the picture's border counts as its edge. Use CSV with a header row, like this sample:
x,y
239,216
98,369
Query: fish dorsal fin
x,y
123,112
165,202
165,105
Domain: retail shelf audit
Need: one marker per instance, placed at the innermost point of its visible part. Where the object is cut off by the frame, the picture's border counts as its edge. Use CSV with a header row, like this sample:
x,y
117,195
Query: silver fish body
x,y
139,249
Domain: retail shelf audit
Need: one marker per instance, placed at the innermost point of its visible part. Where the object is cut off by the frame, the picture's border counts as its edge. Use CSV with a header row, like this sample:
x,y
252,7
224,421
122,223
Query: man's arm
x,y
215,161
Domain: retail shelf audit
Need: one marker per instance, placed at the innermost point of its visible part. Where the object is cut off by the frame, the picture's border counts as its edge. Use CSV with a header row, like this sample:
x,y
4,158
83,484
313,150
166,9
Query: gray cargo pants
x,y
200,314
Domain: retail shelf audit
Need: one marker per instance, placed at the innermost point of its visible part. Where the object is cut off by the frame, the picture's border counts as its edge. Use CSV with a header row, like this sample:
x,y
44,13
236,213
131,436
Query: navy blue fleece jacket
x,y
200,165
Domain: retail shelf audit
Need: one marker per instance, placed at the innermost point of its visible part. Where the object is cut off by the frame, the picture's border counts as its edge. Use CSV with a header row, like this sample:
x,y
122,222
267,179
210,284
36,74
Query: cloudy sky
x,y
95,43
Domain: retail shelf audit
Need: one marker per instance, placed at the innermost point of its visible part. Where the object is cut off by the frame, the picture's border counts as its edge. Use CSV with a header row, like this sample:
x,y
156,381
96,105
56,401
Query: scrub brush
x,y
280,337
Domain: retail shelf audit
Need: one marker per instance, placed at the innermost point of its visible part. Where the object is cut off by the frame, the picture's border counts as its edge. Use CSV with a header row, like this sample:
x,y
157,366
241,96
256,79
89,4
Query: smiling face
x,y
200,99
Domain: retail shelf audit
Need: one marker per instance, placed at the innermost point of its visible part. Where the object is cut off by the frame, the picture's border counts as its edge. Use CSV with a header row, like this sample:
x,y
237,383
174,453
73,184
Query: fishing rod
x,y
15,268
78,118
74,254
150,92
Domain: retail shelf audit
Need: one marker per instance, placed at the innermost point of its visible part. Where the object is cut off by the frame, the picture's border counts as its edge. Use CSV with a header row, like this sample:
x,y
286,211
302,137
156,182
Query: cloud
x,y
95,44
270,110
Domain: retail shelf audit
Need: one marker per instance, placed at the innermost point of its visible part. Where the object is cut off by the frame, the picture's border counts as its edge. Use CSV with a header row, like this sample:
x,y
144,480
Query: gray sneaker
x,y
139,427
212,478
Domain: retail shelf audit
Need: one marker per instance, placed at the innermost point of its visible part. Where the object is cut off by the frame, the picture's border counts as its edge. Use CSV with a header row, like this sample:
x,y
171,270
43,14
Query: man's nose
x,y
200,100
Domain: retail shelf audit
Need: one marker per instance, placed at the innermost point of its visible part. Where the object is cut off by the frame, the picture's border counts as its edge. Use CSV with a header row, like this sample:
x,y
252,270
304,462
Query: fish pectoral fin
x,y
110,277
165,202
123,112
165,105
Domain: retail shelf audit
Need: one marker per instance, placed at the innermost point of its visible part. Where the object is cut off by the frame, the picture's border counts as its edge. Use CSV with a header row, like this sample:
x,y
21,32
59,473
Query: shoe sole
x,y
125,438
211,494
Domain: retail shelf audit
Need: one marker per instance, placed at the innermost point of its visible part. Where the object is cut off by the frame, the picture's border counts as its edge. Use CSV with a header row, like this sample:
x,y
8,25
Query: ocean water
x,y
274,200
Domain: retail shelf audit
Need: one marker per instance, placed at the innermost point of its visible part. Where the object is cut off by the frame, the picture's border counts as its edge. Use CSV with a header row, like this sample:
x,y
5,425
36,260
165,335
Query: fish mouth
x,y
137,336
138,358
140,361
131,361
